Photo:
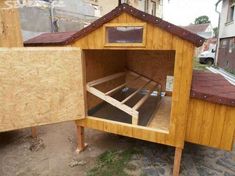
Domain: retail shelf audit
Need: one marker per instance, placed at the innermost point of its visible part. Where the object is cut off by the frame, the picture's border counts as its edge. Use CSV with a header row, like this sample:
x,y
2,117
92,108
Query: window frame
x,y
143,44
231,16
154,8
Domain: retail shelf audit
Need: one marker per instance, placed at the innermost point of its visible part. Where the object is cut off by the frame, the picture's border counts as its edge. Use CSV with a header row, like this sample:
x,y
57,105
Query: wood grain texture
x,y
10,32
210,124
179,53
40,86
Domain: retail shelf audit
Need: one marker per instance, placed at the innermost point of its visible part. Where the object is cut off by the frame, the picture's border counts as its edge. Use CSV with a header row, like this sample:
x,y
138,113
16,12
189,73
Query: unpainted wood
x,y
40,86
10,32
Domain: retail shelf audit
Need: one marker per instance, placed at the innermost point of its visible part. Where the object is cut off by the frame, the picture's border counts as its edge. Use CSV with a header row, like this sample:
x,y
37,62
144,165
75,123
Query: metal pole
x,y
218,39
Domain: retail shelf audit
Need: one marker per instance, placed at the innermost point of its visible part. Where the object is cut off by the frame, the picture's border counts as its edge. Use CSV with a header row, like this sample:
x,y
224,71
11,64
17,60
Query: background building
x,y
206,31
226,48
73,15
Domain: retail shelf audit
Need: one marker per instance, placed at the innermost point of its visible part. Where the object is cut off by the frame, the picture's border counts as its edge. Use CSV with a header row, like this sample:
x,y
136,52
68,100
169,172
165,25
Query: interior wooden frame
x,y
106,96
143,44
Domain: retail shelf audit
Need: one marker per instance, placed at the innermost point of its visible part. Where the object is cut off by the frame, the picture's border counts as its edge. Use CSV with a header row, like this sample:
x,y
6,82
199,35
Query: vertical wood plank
x,y
207,122
218,124
228,130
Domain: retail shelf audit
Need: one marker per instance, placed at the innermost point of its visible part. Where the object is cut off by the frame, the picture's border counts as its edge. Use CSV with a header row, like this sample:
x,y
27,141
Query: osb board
x,y
40,86
102,63
10,32
210,124
156,65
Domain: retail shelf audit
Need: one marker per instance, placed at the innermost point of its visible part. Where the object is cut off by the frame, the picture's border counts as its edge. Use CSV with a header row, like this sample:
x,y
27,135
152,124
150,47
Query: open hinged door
x,y
40,86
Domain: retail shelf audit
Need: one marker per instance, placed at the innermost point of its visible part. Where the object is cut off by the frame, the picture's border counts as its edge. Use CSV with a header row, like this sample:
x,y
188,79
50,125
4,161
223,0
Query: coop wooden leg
x,y
80,138
34,132
177,160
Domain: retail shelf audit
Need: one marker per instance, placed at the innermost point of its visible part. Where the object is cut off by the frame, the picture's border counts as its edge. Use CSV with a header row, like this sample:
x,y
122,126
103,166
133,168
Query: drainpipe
x,y
218,39
119,2
52,15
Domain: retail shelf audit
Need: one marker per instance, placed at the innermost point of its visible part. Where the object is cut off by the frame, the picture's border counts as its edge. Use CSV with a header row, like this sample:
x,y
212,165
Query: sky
x,y
184,12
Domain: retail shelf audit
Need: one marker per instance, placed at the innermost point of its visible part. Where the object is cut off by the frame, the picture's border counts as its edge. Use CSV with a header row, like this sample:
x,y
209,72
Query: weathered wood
x,y
40,86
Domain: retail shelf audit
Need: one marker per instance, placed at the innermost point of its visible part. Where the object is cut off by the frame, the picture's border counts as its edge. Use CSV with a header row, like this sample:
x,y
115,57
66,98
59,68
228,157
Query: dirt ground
x,y
53,154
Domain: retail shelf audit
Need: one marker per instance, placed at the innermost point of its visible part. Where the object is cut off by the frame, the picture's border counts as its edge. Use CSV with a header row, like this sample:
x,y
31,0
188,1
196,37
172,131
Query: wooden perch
x,y
132,111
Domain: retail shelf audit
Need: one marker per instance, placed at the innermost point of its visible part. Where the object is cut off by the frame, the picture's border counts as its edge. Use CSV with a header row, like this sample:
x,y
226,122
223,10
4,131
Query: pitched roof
x,y
212,87
65,38
197,28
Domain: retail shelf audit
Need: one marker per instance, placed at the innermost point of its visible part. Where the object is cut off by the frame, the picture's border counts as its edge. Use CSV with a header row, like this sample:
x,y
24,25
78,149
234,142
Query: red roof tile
x,y
212,87
50,38
67,38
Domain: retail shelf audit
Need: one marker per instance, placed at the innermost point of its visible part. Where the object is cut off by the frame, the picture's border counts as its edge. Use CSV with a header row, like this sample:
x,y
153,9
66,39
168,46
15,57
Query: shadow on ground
x,y
53,154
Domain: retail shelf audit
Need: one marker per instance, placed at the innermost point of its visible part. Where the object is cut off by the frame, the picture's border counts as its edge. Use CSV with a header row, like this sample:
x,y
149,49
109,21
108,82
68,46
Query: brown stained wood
x,y
34,132
228,130
161,118
100,64
195,127
207,122
184,94
218,124
45,88
177,161
80,139
156,65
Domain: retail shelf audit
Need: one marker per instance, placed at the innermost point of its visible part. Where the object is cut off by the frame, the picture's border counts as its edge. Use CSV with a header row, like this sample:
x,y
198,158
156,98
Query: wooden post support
x,y
177,160
81,139
34,132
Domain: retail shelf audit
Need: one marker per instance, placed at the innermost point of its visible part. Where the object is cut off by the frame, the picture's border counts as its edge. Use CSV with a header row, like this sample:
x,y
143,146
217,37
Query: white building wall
x,y
227,29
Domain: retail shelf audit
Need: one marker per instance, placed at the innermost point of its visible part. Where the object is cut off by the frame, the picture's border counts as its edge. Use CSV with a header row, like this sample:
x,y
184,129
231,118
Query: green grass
x,y
198,66
112,163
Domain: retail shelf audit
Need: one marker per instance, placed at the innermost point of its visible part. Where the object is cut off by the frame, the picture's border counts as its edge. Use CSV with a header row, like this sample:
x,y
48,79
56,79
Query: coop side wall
x,y
157,39
10,33
210,124
102,63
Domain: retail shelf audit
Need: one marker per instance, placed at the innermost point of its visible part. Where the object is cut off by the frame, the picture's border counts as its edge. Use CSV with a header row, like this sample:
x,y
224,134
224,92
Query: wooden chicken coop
x,y
137,78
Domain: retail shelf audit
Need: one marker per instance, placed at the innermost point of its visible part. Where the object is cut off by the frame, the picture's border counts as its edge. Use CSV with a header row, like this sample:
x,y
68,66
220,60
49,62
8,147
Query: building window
x,y
223,43
146,6
154,6
125,34
231,11
231,45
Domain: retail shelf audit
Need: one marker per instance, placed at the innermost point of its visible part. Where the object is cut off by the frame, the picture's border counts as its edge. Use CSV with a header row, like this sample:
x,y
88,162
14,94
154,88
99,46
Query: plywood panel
x,y
40,86
214,126
10,33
